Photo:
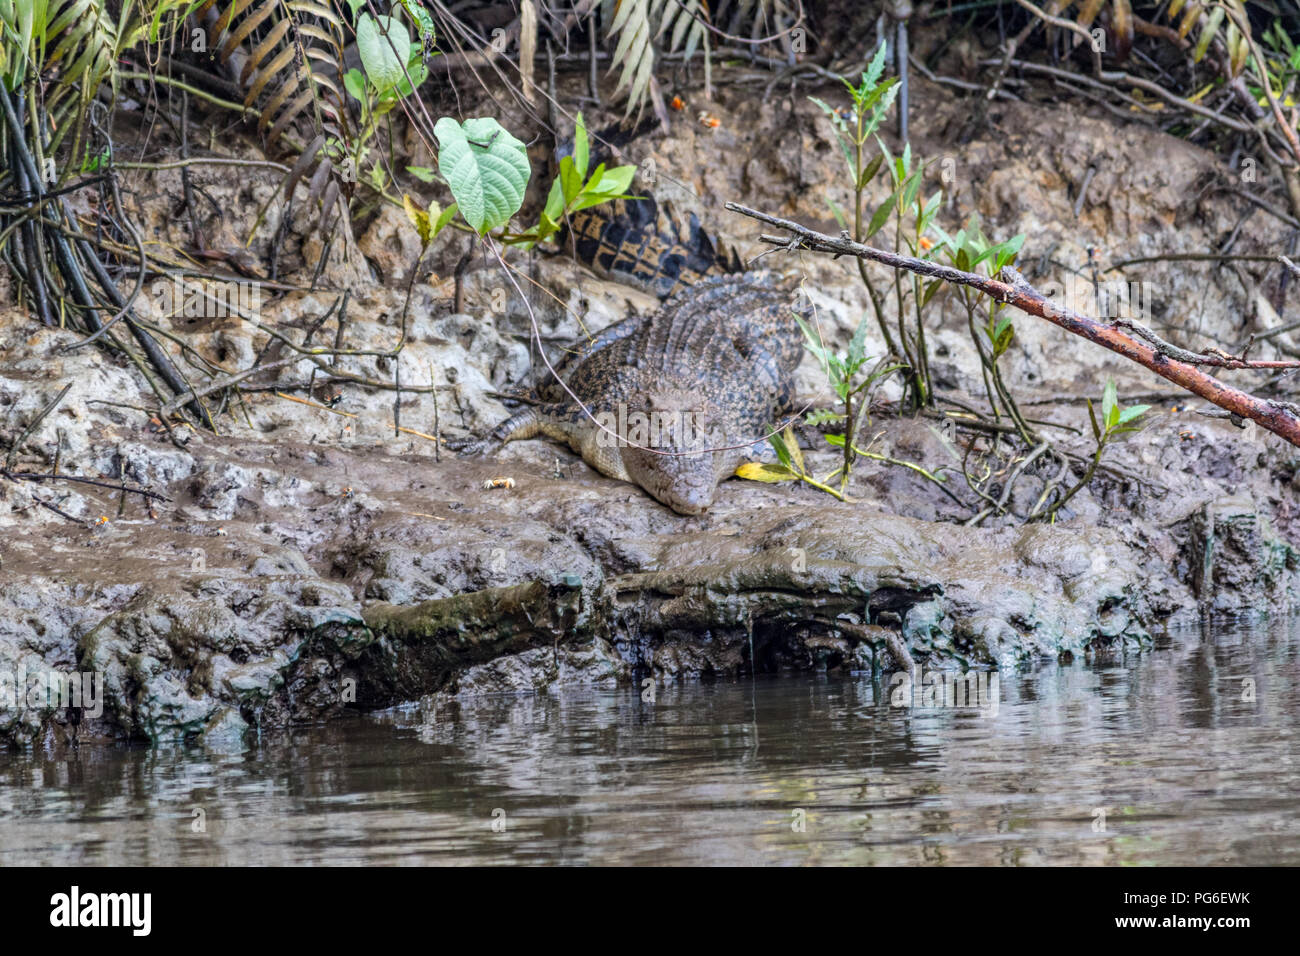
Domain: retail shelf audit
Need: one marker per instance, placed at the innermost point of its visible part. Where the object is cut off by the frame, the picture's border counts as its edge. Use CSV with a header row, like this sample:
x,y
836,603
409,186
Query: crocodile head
x,y
668,437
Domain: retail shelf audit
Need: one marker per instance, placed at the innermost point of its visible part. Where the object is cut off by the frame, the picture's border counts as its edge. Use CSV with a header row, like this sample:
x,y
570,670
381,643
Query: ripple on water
x,y
1160,759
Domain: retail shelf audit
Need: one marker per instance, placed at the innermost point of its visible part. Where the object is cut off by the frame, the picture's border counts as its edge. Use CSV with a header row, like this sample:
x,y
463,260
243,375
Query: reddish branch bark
x,y
1160,357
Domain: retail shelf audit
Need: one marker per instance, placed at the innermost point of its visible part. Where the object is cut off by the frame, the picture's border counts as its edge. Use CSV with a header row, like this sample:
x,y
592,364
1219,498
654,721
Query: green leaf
x,y
882,215
836,440
1003,333
570,180
869,173
838,213
1092,416
877,66
581,154
858,345
1207,34
887,94
555,201
930,289
822,416
418,73
354,81
782,452
911,190
883,95
486,168
444,217
384,46
1132,412
829,111
423,173
796,453
1109,406
614,182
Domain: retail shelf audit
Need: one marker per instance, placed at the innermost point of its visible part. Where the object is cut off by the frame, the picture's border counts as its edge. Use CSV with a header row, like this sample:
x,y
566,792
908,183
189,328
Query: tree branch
x,y
1168,361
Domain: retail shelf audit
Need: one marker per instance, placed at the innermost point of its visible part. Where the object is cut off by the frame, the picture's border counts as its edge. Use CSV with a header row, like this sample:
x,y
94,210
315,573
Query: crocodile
x,y
674,400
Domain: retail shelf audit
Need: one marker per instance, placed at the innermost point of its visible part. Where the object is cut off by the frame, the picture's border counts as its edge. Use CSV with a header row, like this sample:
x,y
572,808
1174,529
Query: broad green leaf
x,y
613,182
384,47
486,168
418,73
423,173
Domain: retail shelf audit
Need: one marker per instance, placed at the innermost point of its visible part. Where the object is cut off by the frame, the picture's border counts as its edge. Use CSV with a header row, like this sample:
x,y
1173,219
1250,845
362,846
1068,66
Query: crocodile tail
x,y
642,242
647,245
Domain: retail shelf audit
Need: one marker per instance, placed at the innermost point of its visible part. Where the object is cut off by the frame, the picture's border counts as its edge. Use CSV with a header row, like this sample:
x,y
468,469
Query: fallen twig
x,y
31,427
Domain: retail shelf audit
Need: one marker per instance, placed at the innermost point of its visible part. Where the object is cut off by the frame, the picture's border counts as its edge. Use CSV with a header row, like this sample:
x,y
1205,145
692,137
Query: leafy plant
x,y
393,67
486,169
872,100
991,329
910,212
790,465
572,190
1115,421
852,375
852,389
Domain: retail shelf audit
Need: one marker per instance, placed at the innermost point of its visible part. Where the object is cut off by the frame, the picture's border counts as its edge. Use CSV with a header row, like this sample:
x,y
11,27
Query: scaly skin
x,y
710,369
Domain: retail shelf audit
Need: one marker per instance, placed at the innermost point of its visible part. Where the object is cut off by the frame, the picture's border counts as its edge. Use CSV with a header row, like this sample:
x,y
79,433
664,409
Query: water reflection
x,y
1183,755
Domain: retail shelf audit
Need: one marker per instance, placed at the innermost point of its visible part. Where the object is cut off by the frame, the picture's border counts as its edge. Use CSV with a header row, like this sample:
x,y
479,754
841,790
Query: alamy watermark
x,y
46,689
675,428
209,300
1114,299
974,690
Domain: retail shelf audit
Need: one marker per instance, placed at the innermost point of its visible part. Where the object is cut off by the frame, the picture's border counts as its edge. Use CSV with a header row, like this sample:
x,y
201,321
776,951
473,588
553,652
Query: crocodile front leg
x,y
563,422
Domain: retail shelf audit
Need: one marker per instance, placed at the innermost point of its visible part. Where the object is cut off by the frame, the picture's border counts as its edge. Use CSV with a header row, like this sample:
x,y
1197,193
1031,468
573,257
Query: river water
x,y
1162,758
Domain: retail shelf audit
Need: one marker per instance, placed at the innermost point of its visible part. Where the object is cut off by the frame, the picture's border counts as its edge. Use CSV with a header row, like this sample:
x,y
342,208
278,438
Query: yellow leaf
x,y
759,471
419,219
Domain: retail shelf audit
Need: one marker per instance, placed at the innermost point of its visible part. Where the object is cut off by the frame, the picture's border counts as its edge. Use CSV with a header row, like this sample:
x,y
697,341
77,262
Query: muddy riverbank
x,y
305,562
